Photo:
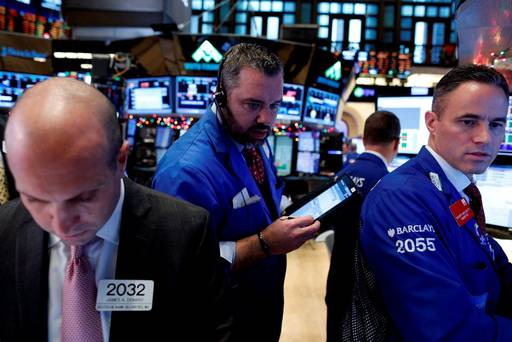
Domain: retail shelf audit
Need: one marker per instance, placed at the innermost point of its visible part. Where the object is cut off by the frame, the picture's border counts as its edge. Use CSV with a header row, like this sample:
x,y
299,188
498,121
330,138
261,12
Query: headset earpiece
x,y
220,98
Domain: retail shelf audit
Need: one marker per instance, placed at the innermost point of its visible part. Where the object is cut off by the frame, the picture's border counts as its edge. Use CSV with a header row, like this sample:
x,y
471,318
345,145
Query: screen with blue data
x,y
411,112
309,141
495,185
81,76
13,84
398,161
283,155
308,162
194,94
150,95
506,146
291,106
321,107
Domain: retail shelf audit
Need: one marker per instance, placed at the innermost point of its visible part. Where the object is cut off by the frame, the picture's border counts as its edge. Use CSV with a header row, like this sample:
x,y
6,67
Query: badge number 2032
x,y
415,245
125,295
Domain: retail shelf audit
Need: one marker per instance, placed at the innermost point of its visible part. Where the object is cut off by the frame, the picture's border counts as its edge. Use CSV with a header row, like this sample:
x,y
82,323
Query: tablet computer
x,y
325,199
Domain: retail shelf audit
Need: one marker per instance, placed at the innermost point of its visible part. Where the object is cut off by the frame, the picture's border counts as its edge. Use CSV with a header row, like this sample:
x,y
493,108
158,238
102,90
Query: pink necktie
x,y
80,320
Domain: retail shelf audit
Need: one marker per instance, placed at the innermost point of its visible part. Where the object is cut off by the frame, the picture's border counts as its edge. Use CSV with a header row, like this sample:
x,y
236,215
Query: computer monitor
x,y
308,162
291,106
81,76
411,112
495,185
151,95
194,94
506,146
309,141
131,127
283,155
164,137
271,140
54,5
398,161
321,107
13,84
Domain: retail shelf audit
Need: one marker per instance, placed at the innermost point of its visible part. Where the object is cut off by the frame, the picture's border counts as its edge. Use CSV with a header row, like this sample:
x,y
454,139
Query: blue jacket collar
x,y
222,143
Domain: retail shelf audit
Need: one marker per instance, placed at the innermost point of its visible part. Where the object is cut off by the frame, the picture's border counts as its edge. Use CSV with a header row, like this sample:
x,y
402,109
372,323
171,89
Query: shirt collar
x,y
110,230
377,154
456,177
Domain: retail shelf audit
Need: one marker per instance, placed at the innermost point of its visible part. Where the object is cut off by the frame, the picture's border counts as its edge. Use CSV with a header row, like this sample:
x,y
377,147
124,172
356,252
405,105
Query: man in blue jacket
x,y
440,275
381,137
223,164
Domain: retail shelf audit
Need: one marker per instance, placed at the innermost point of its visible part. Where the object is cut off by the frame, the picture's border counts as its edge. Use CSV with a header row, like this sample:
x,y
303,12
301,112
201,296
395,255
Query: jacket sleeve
x,y
190,185
405,241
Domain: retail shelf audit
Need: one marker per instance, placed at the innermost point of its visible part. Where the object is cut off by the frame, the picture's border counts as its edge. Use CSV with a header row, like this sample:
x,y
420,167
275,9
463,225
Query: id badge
x,y
124,295
461,212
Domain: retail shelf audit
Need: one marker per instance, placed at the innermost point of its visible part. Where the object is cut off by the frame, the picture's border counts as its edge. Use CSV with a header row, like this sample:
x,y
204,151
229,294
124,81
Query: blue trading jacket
x,y
366,171
206,168
439,281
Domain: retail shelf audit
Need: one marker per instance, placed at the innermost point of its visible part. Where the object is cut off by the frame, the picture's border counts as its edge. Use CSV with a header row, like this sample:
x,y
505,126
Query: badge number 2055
x,y
415,245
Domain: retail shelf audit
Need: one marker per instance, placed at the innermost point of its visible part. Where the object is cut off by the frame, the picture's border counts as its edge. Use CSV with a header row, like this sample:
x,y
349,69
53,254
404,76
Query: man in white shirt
x,y
67,157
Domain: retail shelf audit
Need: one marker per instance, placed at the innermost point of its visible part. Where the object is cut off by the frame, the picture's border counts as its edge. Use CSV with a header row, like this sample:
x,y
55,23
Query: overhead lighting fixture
x,y
72,55
86,66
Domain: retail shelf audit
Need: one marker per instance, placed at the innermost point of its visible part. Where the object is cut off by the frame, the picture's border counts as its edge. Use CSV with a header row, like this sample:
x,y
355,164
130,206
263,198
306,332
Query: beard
x,y
238,133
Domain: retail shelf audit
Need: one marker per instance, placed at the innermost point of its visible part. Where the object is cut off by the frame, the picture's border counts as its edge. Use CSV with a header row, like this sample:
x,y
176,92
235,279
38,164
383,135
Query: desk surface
x,y
507,247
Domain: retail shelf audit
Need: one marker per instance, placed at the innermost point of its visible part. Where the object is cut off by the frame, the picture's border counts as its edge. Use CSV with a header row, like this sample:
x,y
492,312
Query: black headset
x,y
219,97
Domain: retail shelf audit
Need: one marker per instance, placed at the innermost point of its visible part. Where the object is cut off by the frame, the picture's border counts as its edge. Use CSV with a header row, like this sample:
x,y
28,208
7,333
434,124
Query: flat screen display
x,y
12,85
291,106
131,127
397,162
308,162
271,139
150,95
495,185
53,5
506,146
81,76
411,112
309,141
321,107
194,94
283,155
326,200
164,137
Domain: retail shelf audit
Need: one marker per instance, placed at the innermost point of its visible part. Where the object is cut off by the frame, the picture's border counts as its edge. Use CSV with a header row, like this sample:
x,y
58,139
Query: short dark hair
x,y
381,127
245,54
466,73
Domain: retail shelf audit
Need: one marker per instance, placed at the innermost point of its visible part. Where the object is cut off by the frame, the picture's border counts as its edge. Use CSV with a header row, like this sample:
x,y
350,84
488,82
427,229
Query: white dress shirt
x,y
456,177
102,255
380,156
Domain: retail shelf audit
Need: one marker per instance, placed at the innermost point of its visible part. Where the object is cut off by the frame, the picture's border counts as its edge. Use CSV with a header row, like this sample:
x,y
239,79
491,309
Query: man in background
x,y
81,229
381,137
223,164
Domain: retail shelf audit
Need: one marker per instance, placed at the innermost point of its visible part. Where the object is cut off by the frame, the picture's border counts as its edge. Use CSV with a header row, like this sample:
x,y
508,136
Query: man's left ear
x,y
431,119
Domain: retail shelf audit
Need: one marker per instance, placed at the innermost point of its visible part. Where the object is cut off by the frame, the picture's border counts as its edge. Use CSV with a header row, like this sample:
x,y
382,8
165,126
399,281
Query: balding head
x,y
60,116
66,156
